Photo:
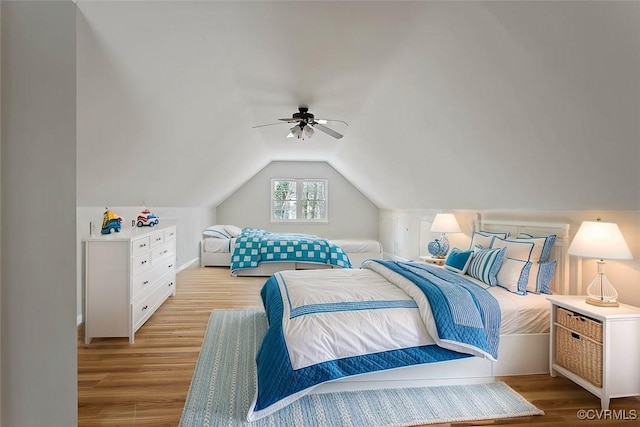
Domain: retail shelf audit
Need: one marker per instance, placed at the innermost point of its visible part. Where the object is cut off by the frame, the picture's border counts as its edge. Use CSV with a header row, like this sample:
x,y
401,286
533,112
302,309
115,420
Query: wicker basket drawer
x,y
584,326
579,354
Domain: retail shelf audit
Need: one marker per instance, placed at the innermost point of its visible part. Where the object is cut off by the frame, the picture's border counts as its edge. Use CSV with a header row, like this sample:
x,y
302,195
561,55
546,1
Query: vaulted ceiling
x,y
449,104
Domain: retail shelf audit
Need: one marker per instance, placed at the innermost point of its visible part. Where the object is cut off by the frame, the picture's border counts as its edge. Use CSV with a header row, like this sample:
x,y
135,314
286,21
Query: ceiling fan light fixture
x,y
295,132
307,131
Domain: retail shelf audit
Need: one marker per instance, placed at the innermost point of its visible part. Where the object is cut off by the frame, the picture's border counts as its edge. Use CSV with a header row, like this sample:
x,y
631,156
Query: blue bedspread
x,y
255,246
464,314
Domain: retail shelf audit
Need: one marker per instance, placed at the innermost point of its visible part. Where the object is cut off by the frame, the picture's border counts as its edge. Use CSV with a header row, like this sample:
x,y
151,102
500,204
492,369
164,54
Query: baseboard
x,y
187,264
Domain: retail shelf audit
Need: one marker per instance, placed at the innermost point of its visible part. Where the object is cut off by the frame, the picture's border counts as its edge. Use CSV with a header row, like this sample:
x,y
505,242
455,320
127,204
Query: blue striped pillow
x,y
485,264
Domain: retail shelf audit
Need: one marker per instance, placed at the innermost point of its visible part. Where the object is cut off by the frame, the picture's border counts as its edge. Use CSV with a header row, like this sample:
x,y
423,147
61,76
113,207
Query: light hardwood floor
x,y
146,383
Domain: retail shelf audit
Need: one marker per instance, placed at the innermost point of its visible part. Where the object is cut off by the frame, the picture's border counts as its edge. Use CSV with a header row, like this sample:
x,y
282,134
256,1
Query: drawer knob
x,y
143,262
171,284
574,335
146,282
145,307
170,265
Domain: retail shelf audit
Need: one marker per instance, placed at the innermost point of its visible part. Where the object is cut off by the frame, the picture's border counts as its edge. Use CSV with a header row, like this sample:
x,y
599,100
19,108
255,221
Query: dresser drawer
x,y
141,263
143,282
169,283
164,251
139,246
157,239
170,235
145,307
582,325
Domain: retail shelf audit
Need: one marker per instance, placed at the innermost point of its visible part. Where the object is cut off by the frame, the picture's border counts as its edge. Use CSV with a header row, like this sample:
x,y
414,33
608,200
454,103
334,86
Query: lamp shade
x,y
445,223
603,240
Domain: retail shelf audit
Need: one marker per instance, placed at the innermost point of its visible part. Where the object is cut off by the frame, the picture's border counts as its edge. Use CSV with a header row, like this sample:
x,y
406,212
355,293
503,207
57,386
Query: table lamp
x,y
601,240
442,223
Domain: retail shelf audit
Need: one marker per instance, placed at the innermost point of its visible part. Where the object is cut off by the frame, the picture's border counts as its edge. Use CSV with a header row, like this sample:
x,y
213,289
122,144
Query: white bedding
x,y
528,314
358,246
216,245
520,314
361,331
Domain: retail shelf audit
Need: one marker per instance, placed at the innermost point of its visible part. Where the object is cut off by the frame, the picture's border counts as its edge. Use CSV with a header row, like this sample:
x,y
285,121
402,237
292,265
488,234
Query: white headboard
x,y
560,282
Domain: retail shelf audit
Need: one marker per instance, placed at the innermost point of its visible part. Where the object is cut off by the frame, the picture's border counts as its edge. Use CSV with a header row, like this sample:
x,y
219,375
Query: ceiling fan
x,y
305,123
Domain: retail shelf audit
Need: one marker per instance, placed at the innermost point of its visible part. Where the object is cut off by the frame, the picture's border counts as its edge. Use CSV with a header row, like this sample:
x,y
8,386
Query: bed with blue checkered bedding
x,y
255,246
329,324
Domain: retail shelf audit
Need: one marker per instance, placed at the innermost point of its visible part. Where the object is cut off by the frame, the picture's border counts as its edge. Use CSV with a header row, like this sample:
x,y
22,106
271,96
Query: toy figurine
x,y
111,223
147,218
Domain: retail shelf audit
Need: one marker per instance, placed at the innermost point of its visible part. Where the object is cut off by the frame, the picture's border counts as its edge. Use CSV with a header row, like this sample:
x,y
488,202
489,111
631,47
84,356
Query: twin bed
x,y
402,324
228,246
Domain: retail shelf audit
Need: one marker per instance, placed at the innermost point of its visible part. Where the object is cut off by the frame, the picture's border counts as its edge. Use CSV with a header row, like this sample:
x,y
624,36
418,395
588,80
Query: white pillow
x,y
216,231
232,230
521,249
545,244
482,239
514,275
538,247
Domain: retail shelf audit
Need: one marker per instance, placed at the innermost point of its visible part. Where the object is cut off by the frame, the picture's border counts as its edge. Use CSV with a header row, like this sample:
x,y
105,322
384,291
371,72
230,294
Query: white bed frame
x,y
217,259
518,354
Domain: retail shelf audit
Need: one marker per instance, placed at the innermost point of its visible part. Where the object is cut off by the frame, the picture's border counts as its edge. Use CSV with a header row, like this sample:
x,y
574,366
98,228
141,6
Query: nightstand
x,y
431,260
598,348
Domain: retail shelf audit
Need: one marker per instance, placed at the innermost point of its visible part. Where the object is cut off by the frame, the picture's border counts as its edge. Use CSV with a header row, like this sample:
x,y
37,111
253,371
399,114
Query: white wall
x,y
351,214
401,238
540,98
39,369
0,218
189,221
511,105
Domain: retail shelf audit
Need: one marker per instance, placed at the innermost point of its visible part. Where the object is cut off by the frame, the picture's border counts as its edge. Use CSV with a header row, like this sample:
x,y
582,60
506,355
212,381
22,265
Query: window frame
x,y
298,201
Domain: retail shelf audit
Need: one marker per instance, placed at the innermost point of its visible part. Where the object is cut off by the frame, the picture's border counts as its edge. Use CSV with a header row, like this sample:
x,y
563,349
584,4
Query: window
x,y
299,200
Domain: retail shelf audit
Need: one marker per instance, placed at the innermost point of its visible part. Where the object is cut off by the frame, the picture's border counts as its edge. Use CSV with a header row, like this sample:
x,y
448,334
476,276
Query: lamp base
x,y
602,303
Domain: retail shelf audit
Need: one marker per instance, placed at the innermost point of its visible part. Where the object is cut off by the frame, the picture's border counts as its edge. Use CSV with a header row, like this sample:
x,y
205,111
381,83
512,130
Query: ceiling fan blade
x,y
268,124
290,120
324,121
326,130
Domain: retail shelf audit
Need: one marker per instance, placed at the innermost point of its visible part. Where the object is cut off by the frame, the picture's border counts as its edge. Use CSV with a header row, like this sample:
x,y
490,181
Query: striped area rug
x,y
223,386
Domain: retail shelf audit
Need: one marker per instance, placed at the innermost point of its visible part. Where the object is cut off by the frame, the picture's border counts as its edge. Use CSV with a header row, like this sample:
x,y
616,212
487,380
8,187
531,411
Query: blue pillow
x,y
458,261
540,277
485,264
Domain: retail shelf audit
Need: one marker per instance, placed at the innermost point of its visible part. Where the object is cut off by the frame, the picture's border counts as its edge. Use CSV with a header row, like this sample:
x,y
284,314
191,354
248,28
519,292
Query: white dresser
x,y
127,276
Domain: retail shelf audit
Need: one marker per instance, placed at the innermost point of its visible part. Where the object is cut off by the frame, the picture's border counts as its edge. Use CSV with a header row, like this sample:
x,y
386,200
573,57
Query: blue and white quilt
x,y
329,324
255,246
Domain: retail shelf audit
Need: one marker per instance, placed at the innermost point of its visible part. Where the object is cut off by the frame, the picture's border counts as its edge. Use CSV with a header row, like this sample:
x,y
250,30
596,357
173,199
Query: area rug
x,y
224,382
